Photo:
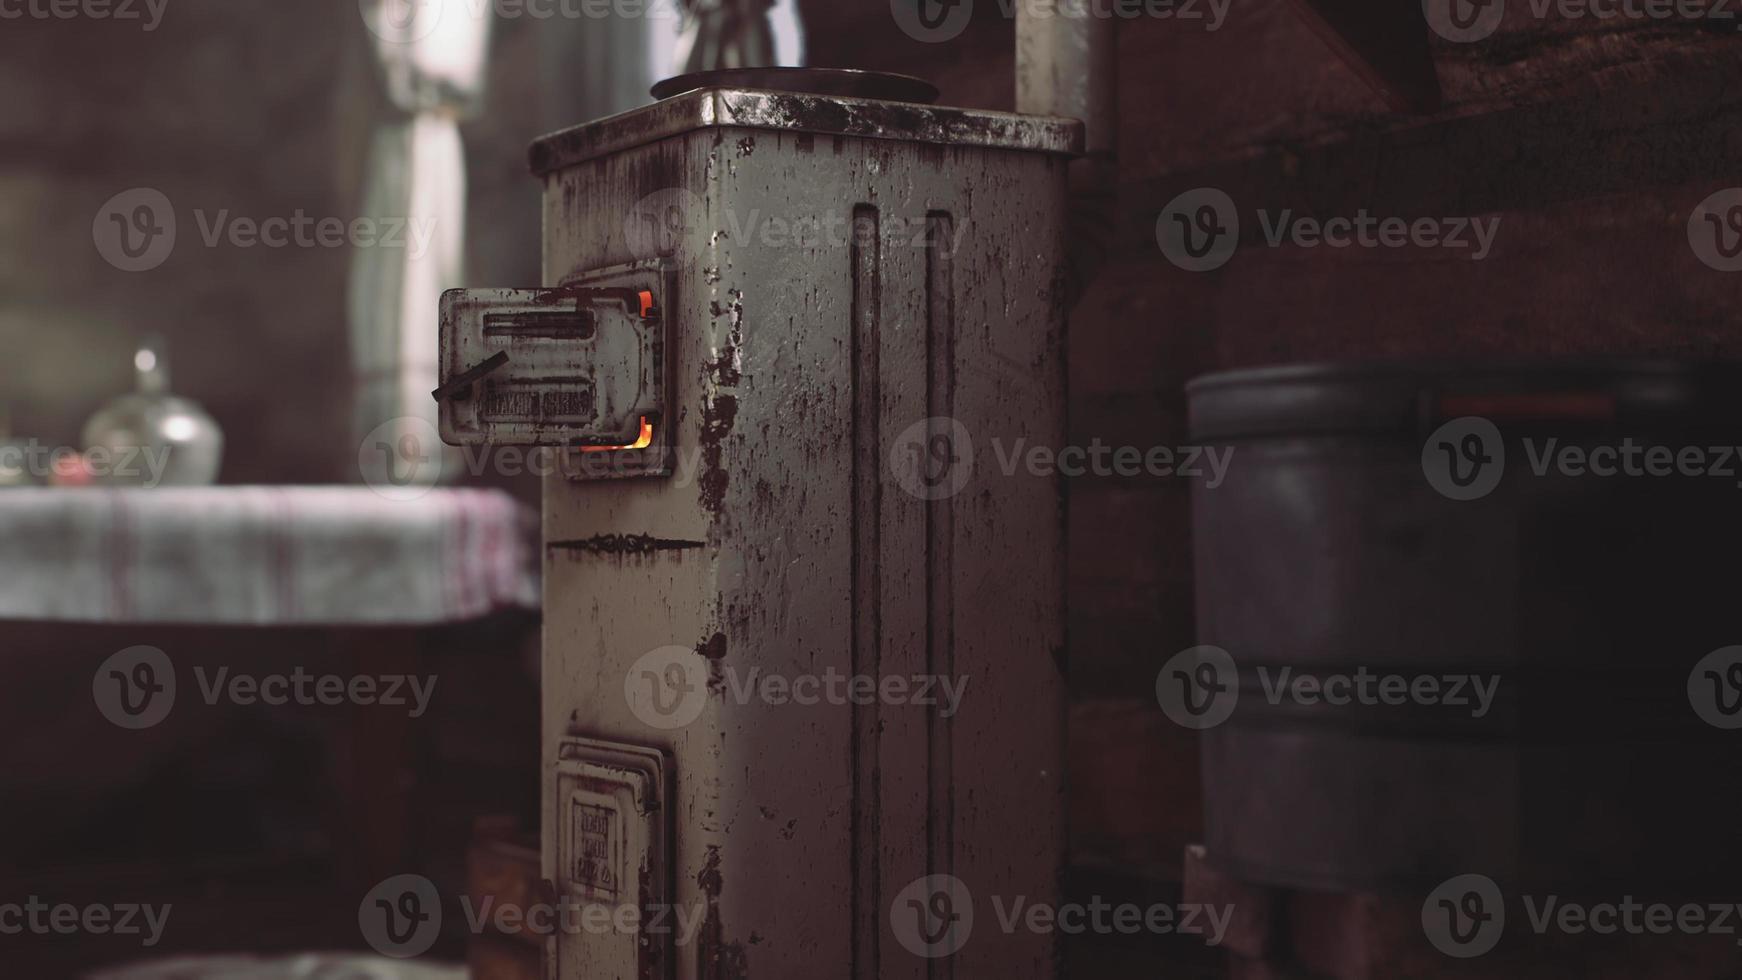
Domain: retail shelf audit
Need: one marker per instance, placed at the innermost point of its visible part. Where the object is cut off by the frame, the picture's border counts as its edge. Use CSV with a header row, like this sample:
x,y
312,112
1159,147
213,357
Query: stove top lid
x,y
830,102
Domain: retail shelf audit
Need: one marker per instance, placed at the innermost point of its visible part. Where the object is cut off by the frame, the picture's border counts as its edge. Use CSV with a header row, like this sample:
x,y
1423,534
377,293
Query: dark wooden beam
x,y
1673,132
1386,42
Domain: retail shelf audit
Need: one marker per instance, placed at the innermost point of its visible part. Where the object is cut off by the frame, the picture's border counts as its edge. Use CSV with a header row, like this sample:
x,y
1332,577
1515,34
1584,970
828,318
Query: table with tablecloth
x,y
348,576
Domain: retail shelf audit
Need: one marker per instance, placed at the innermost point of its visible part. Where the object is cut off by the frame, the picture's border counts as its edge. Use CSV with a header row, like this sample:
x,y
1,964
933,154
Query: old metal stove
x,y
786,309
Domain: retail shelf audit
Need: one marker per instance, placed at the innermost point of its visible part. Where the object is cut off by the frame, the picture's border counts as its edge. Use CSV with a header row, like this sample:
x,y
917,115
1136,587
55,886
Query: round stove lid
x,y
845,82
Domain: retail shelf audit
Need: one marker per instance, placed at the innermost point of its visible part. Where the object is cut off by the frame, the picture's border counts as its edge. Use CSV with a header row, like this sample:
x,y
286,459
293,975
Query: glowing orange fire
x,y
645,440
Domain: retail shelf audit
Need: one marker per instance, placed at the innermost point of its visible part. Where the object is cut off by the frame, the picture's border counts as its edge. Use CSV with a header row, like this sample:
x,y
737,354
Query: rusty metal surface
x,y
797,366
798,112
848,82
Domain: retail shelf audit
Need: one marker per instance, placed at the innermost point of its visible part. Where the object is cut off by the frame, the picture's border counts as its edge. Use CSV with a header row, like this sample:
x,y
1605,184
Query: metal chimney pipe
x,y
1067,65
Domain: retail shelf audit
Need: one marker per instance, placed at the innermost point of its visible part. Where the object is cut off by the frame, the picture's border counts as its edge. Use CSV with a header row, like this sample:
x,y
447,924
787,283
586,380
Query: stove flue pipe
x,y
1066,65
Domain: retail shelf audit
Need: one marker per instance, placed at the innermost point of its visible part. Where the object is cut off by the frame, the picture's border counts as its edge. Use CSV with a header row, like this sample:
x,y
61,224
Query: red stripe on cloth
x,y
448,559
121,549
283,543
495,593
458,568
468,560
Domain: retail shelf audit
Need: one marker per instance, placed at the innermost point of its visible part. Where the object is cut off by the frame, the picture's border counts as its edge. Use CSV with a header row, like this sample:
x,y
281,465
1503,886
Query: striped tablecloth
x,y
263,556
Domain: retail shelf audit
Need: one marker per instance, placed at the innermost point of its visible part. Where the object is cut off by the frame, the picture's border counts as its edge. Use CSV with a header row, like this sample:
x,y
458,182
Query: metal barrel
x,y
1562,536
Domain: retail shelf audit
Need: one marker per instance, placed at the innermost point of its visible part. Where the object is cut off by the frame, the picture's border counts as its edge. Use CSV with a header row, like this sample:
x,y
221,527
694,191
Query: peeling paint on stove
x,y
714,647
716,958
719,415
625,544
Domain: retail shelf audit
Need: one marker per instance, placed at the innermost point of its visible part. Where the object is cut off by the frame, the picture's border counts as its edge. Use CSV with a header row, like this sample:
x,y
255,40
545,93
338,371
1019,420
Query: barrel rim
x,y
1546,369
1413,397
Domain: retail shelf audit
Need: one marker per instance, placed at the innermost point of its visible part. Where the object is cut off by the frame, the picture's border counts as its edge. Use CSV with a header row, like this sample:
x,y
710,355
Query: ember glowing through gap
x,y
646,437
642,442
